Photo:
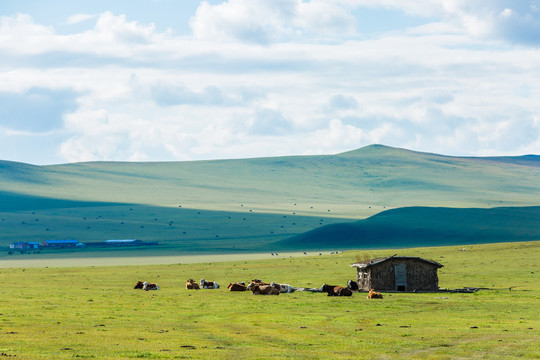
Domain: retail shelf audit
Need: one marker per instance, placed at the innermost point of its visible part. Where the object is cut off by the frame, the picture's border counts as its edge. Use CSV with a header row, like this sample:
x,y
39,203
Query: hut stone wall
x,y
419,275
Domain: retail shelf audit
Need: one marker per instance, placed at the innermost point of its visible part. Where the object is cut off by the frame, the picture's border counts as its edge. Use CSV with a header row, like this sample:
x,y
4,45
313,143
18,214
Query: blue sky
x,y
149,80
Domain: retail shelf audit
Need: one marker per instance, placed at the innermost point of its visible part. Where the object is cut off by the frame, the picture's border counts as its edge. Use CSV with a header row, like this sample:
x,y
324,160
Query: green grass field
x,y
94,312
252,204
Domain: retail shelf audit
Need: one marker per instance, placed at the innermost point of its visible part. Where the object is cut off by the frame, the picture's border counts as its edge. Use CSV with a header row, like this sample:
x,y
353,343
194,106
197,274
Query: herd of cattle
x,y
258,287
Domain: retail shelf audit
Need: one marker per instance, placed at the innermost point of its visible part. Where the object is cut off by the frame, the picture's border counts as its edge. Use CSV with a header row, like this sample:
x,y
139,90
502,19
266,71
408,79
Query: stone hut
x,y
398,273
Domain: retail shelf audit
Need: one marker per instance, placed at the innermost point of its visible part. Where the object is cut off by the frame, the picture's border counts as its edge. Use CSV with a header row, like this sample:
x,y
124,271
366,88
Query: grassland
x,y
94,312
424,226
249,204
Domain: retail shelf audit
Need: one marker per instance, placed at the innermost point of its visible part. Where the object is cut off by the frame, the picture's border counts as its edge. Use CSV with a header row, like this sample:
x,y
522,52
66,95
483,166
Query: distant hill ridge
x,y
374,177
421,226
373,196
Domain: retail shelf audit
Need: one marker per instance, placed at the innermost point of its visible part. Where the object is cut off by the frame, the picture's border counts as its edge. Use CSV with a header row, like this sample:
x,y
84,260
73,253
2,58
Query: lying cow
x,y
192,285
336,290
238,286
374,295
150,286
263,289
146,286
353,285
259,282
209,284
283,288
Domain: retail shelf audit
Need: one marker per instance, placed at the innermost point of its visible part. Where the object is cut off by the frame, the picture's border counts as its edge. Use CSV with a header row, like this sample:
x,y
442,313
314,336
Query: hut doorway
x,y
400,273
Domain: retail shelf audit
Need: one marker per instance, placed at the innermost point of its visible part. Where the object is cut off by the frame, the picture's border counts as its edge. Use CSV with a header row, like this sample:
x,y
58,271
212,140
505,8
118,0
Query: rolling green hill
x,y
248,204
421,226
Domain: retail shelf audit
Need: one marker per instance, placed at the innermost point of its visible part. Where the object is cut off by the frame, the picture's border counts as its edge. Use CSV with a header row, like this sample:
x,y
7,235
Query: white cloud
x,y
142,94
268,21
79,18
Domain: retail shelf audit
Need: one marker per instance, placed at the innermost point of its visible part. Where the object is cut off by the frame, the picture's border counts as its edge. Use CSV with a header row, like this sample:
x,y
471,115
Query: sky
x,y
167,80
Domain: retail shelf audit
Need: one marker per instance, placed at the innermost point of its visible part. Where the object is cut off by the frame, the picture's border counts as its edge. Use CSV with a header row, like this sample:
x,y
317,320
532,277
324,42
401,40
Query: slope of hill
x,y
103,200
422,226
347,184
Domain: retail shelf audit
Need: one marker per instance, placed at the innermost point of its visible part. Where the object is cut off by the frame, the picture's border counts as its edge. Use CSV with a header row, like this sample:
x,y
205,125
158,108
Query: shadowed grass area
x,y
421,226
94,312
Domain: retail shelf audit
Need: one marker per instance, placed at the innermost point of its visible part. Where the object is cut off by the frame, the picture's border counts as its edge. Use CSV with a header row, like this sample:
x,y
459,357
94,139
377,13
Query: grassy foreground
x,y
94,312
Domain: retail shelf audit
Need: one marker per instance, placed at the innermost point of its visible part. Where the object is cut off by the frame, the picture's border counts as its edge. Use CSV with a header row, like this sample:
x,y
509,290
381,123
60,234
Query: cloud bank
x,y
268,78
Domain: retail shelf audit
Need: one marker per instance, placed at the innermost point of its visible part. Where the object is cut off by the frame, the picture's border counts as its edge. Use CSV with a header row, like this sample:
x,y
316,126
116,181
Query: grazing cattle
x,y
336,290
353,285
241,286
192,285
209,284
374,295
263,289
283,288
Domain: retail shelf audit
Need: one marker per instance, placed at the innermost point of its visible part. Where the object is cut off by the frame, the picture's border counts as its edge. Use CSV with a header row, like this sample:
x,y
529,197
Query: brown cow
x,y
374,295
192,285
336,290
237,286
263,289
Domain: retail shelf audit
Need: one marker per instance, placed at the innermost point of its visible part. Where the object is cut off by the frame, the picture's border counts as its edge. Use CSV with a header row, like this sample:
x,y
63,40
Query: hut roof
x,y
368,263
